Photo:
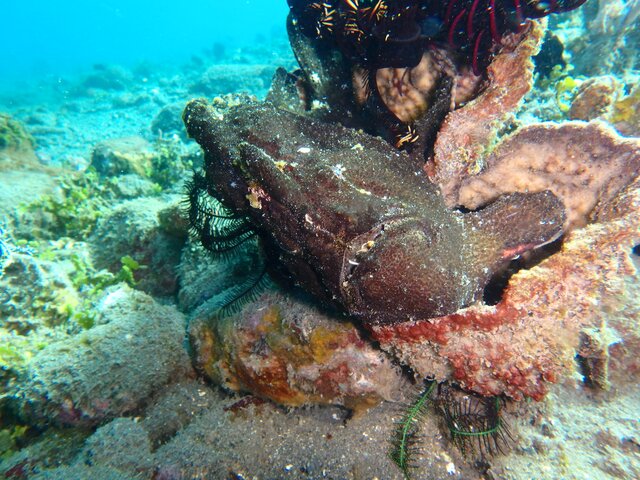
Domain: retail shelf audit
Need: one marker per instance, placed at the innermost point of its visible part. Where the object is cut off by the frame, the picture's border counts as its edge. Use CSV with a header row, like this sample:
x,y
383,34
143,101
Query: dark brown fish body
x,y
356,222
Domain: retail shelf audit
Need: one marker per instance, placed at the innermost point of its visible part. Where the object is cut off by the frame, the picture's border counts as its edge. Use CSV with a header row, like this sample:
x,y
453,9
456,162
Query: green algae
x,y
13,135
74,211
92,283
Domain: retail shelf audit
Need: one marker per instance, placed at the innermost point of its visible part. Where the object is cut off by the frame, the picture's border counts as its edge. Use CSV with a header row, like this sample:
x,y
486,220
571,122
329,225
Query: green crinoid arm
x,y
404,438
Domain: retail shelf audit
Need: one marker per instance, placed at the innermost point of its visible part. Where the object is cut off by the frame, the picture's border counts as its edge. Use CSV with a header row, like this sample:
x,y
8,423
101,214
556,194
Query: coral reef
x,y
224,79
105,77
49,293
24,180
383,34
133,450
216,439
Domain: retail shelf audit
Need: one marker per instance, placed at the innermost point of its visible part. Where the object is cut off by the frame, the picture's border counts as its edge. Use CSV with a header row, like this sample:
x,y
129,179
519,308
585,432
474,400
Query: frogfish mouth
x,y
356,222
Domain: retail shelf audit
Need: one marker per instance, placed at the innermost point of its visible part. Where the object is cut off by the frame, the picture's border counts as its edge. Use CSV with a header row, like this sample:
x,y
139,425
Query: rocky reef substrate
x,y
129,351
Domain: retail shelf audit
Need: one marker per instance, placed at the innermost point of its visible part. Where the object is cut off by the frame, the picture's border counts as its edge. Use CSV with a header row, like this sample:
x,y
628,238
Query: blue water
x,y
44,38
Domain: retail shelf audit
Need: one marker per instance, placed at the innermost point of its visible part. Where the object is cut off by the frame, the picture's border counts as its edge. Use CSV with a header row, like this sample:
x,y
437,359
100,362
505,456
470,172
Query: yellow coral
x,y
565,90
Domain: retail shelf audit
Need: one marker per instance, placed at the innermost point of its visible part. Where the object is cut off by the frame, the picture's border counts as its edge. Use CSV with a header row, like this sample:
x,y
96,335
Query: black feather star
x,y
475,424
222,233
385,33
235,299
219,230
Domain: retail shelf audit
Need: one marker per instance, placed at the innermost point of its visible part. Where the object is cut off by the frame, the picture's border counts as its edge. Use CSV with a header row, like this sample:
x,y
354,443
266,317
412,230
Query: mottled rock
x,y
168,121
135,228
122,445
120,156
136,348
24,182
129,100
36,292
13,135
289,351
16,144
133,186
79,471
175,407
106,77
585,165
594,98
